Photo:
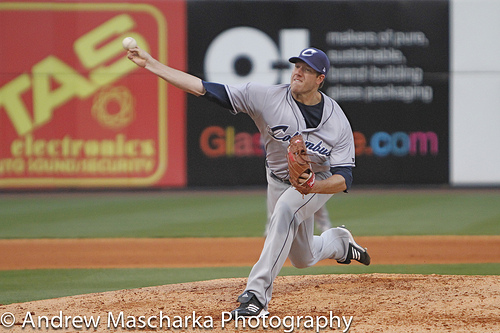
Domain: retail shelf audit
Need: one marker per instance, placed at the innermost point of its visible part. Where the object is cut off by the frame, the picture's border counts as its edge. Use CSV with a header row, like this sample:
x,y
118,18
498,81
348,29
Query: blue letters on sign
x,y
381,143
401,143
384,144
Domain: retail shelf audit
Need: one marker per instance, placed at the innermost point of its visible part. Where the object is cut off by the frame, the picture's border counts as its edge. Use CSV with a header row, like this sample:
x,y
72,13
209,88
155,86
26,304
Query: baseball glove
x,y
299,163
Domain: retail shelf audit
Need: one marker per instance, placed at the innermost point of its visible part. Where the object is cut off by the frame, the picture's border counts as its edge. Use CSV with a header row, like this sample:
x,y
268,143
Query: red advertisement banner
x,y
74,112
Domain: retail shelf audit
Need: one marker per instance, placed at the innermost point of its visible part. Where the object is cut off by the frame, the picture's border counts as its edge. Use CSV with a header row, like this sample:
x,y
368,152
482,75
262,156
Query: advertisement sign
x,y
389,72
74,111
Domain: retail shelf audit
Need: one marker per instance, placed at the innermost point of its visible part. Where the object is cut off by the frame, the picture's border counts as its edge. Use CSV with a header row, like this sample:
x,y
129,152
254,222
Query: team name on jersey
x,y
279,133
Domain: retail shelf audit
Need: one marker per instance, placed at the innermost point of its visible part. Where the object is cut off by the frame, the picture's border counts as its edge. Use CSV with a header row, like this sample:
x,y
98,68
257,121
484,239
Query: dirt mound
x,y
362,303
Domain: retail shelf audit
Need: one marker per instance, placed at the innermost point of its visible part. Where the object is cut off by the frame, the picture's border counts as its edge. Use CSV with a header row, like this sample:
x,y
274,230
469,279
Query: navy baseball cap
x,y
315,58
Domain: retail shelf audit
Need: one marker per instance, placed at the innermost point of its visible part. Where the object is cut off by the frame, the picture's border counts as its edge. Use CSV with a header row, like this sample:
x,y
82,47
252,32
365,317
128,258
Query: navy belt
x,y
280,180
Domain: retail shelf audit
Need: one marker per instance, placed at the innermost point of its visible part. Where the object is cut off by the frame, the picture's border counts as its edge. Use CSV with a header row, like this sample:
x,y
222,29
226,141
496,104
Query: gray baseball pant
x,y
291,234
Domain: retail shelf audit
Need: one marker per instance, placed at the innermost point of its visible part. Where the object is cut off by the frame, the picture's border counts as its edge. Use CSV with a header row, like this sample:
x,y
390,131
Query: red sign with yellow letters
x,y
74,111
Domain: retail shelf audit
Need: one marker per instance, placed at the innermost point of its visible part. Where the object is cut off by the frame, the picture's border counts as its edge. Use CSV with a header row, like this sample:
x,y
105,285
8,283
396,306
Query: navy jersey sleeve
x,y
217,93
346,172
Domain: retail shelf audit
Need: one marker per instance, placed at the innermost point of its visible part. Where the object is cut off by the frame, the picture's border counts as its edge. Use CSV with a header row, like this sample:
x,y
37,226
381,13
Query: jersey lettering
x,y
278,132
318,148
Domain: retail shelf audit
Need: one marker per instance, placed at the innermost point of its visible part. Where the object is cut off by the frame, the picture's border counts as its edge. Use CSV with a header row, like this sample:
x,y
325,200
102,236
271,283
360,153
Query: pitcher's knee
x,y
301,262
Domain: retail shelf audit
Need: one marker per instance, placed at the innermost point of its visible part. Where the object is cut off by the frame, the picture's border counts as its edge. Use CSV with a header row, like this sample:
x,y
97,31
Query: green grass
x,y
420,213
132,215
28,285
223,214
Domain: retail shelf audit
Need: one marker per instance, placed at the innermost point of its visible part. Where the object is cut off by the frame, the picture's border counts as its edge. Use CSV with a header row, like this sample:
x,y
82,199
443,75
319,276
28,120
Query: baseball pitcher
x,y
309,157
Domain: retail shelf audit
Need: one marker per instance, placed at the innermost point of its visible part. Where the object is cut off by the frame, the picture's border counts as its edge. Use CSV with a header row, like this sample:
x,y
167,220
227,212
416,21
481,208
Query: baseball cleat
x,y
249,307
355,252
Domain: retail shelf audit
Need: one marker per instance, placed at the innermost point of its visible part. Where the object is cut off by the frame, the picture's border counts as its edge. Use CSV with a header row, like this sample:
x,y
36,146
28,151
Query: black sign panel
x,y
389,72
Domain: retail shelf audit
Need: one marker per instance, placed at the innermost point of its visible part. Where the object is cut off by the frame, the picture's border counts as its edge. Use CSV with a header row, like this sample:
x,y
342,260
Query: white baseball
x,y
129,43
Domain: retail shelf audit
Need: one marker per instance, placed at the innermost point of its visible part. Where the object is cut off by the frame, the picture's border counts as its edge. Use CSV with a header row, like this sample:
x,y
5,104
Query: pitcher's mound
x,y
362,303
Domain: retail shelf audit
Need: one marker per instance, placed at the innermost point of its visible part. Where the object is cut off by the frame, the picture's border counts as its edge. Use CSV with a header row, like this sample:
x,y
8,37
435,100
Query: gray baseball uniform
x,y
291,229
330,144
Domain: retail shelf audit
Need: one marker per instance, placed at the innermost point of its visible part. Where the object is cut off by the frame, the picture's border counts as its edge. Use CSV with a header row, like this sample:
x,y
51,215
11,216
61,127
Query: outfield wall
x,y
417,79
475,93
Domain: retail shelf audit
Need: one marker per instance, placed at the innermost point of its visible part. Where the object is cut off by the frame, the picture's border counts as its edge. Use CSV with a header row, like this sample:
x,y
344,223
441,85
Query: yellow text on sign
x,y
71,84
